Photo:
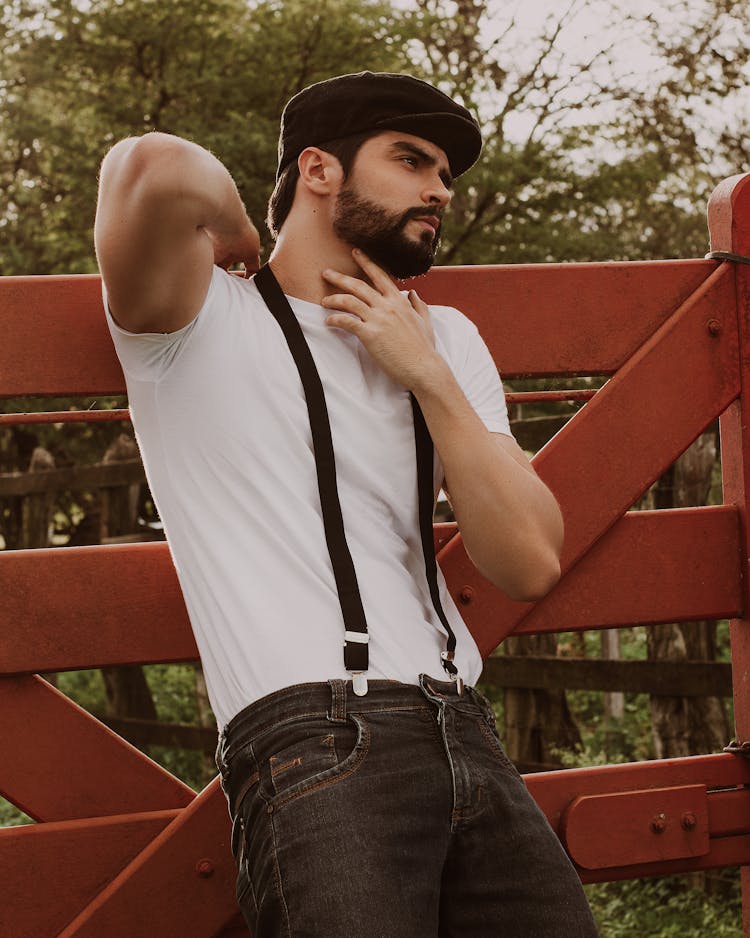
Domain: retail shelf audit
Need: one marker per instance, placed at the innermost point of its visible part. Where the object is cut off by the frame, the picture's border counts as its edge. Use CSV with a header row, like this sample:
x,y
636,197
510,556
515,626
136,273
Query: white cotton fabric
x,y
222,425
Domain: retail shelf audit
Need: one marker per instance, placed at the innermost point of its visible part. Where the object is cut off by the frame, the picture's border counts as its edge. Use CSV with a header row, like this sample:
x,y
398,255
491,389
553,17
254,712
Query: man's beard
x,y
380,234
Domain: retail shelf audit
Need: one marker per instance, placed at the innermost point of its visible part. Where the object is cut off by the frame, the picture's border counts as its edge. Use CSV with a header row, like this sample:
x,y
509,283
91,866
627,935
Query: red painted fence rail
x,y
130,850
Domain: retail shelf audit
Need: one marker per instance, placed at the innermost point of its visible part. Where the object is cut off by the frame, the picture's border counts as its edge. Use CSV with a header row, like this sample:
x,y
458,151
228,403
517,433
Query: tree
x,y
78,76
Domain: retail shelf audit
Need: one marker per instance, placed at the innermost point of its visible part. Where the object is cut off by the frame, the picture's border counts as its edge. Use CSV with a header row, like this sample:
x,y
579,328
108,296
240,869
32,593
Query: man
x,y
287,425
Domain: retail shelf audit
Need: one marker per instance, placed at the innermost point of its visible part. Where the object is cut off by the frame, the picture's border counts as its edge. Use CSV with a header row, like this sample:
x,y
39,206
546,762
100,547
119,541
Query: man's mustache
x,y
422,212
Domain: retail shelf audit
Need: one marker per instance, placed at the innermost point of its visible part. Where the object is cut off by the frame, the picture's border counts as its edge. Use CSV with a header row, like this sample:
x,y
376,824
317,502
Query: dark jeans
x,y
394,815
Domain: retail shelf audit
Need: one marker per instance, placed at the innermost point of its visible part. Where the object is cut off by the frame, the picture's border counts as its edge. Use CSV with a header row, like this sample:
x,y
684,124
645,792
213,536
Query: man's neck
x,y
300,257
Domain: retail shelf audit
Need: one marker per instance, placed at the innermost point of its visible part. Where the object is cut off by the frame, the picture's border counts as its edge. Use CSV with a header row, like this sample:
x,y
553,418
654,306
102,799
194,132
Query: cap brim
x,y
458,137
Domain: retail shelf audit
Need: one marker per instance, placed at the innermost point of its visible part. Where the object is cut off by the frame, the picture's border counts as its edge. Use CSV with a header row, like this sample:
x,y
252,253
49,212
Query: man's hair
x,y
280,204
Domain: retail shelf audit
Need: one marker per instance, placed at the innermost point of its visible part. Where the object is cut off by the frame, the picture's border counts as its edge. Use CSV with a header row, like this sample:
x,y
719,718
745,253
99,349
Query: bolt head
x,y
466,595
659,823
688,821
204,868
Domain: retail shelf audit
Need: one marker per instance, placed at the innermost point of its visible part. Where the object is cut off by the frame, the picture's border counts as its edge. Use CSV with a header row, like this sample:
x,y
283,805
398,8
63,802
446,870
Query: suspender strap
x,y
355,652
355,625
426,494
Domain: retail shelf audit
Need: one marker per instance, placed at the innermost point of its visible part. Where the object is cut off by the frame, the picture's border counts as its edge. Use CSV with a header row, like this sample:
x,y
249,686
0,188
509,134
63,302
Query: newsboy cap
x,y
353,104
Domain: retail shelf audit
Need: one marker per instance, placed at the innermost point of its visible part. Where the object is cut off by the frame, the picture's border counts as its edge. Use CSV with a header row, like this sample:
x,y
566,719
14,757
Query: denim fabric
x,y
394,815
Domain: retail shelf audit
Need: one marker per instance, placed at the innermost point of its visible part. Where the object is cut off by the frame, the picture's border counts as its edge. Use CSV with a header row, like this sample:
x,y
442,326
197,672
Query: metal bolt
x,y
688,821
659,823
205,868
713,326
466,595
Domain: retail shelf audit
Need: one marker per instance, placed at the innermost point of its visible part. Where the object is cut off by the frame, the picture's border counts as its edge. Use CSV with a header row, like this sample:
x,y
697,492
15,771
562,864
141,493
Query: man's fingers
x,y
348,303
345,321
252,266
353,285
378,277
418,303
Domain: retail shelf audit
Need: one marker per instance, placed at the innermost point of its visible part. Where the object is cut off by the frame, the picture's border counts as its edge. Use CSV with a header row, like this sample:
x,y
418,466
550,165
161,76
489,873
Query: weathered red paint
x,y
729,226
59,763
648,825
161,892
669,332
54,633
78,857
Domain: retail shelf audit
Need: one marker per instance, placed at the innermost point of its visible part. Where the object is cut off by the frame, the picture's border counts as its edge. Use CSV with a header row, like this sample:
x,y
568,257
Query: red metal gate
x,y
128,850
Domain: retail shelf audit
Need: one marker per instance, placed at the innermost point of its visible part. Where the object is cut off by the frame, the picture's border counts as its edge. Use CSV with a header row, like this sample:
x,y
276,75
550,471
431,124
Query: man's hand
x,y
237,249
395,329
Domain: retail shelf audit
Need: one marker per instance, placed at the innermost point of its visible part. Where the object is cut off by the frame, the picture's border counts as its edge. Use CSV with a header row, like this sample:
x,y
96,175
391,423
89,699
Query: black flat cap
x,y
353,104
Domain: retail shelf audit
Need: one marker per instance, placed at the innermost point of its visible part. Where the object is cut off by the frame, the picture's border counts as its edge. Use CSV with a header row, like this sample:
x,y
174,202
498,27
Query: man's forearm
x,y
509,520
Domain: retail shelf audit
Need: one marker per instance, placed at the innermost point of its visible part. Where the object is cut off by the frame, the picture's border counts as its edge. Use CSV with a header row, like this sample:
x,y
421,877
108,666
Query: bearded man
x,y
295,427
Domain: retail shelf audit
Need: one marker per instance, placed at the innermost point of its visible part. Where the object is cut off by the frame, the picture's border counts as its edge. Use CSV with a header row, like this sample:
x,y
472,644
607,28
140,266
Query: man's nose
x,y
437,193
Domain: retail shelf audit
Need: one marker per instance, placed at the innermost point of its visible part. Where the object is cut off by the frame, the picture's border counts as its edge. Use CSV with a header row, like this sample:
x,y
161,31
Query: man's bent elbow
x,y
536,585
533,582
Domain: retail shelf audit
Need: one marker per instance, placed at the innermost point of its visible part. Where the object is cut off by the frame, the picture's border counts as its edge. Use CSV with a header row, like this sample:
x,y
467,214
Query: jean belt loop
x,y
337,713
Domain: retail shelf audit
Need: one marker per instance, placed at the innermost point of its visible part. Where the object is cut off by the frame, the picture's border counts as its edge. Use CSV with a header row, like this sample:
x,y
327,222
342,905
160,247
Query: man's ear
x,y
319,171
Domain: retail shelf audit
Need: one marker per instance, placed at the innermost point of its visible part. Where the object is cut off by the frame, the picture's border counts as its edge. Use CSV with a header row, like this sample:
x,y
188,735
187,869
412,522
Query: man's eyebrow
x,y
408,147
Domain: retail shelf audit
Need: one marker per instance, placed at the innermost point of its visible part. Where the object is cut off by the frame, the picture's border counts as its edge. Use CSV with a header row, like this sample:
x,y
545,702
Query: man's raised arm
x,y
167,212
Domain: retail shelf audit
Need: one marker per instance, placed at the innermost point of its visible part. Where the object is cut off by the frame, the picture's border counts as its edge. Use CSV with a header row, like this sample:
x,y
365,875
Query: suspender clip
x,y
359,682
447,658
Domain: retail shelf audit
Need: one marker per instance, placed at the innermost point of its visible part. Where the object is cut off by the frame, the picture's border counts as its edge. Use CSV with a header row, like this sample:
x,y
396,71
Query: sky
x,y
619,31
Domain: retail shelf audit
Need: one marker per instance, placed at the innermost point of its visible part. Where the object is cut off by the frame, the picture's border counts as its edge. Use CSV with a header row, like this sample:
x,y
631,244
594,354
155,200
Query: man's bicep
x,y
155,261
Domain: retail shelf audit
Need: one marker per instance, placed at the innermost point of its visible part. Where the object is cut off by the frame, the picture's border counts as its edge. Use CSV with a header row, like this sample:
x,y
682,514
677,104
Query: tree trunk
x,y
36,509
538,723
128,693
684,726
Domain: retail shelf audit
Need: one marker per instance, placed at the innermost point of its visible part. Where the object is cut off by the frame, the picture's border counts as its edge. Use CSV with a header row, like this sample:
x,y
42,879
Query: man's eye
x,y
411,160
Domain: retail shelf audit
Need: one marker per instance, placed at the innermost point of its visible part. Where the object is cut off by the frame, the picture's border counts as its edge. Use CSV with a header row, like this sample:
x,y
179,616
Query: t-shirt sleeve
x,y
146,356
475,370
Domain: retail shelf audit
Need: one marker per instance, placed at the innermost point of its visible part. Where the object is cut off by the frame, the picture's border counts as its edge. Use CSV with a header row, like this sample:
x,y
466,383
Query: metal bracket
x,y
632,827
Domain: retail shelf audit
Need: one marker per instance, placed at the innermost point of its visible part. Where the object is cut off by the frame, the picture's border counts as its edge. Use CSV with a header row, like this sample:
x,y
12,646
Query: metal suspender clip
x,y
359,682
359,678
452,670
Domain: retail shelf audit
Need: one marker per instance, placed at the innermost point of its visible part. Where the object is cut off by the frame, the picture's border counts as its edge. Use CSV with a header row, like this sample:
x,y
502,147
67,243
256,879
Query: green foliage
x,y
86,688
578,164
665,908
78,76
11,816
172,689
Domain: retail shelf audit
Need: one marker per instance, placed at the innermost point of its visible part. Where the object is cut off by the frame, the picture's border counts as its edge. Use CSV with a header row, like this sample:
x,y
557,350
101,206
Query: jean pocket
x,y
302,760
314,754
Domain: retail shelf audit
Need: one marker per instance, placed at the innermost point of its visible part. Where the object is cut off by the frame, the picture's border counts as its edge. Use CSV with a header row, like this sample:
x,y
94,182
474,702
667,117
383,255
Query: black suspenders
x,y
355,624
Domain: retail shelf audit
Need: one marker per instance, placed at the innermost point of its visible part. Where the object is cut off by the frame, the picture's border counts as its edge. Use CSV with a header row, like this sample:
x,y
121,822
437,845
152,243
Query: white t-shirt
x,y
222,425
